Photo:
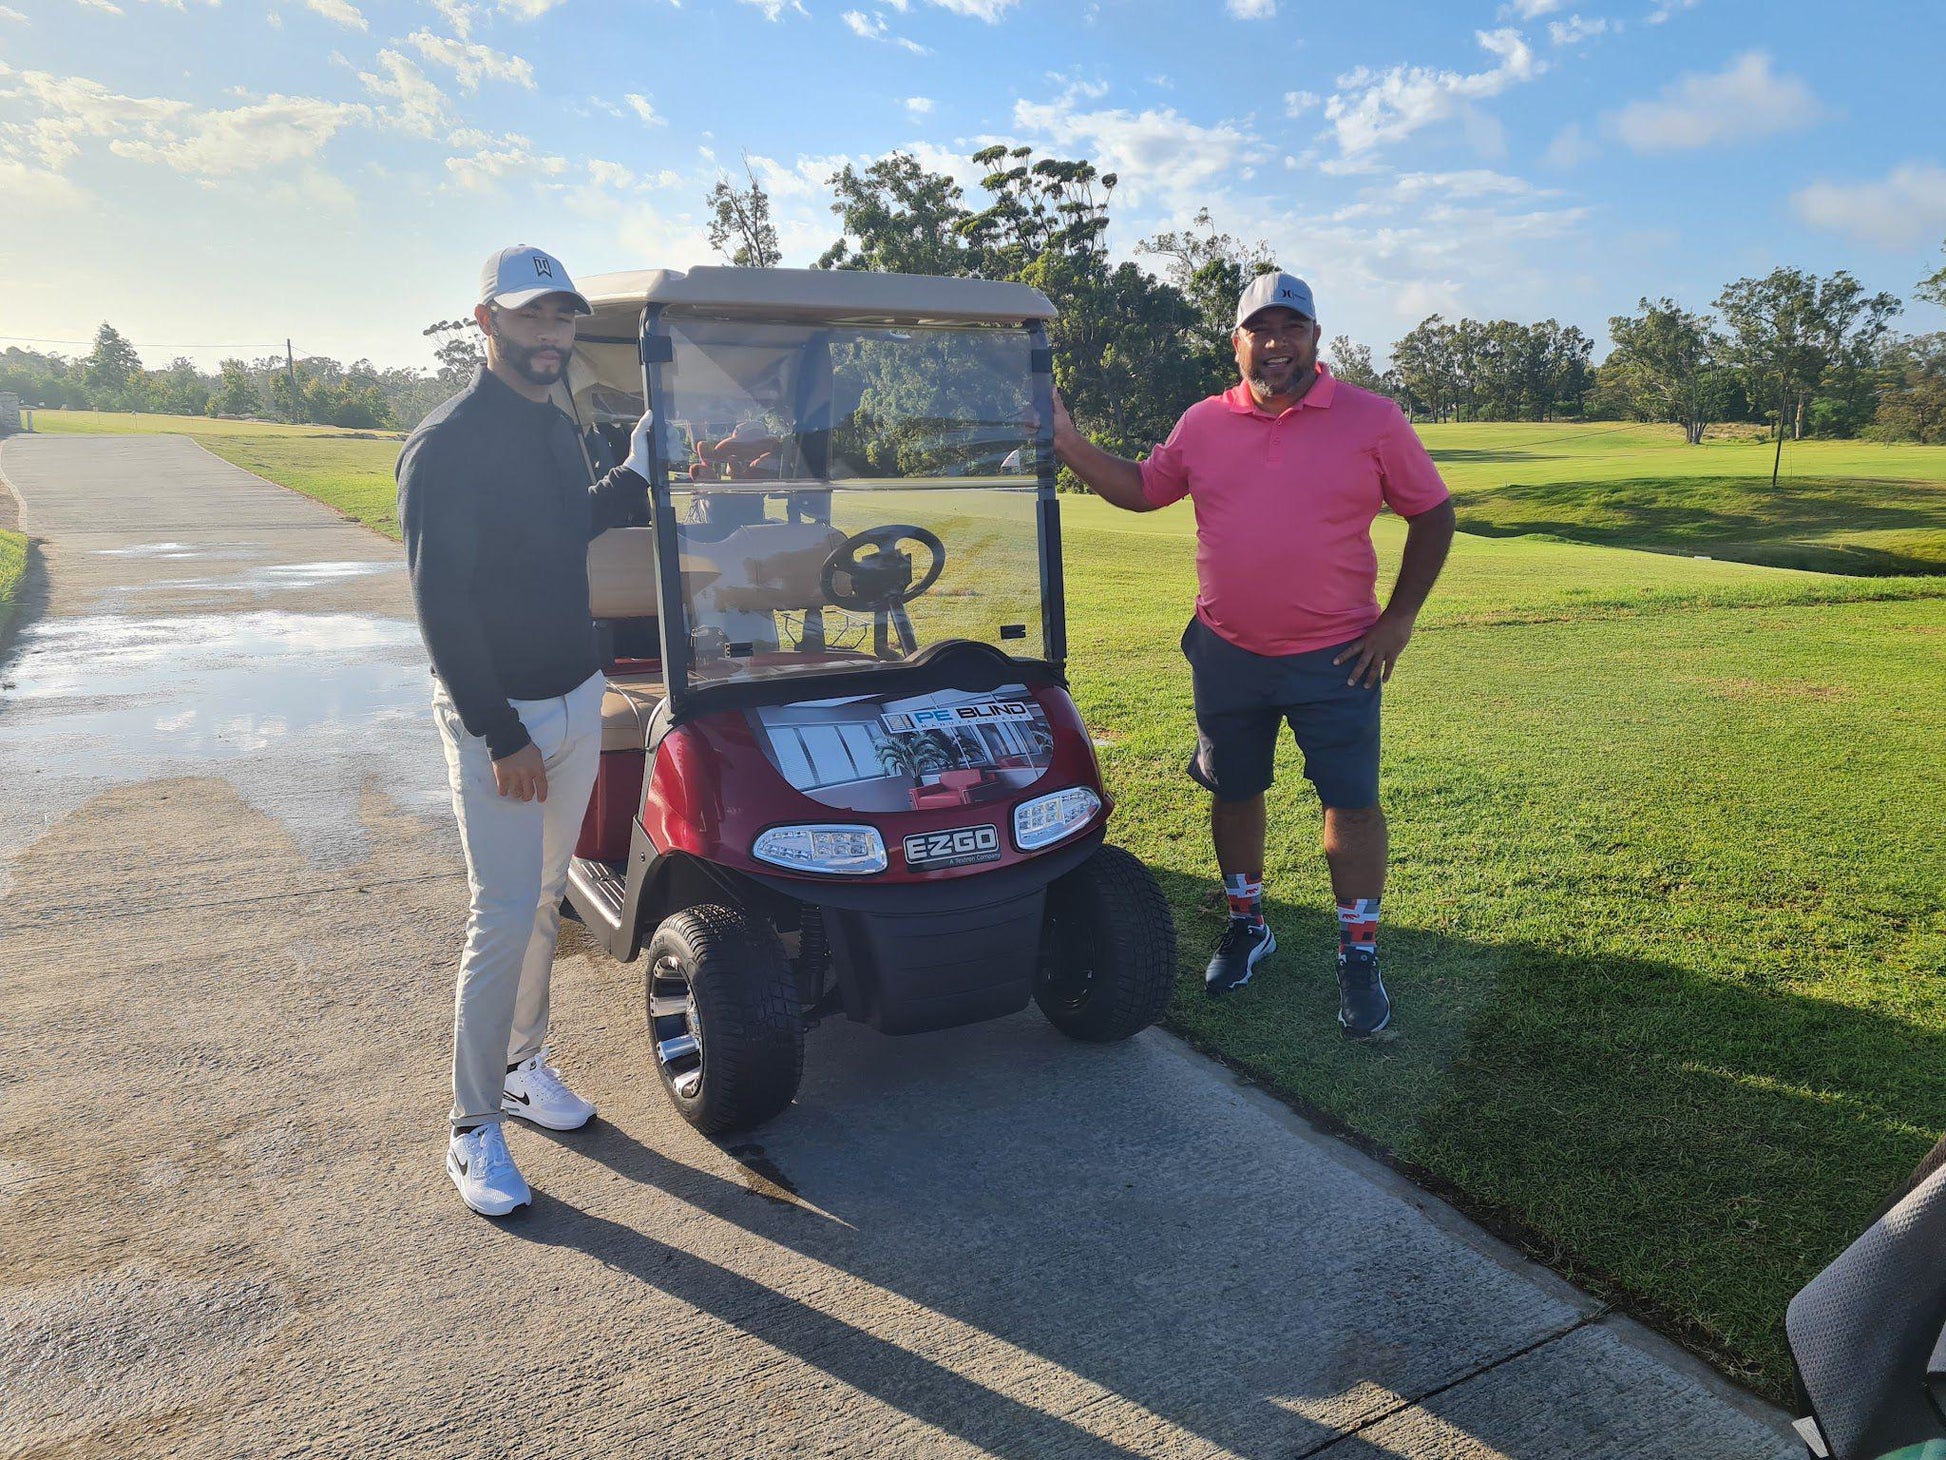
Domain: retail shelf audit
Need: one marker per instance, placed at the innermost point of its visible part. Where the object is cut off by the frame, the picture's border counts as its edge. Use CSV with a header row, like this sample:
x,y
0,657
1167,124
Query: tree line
x,y
1803,354
313,388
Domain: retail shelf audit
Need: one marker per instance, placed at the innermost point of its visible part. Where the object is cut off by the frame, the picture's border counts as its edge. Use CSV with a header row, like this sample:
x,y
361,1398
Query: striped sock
x,y
1358,925
1246,894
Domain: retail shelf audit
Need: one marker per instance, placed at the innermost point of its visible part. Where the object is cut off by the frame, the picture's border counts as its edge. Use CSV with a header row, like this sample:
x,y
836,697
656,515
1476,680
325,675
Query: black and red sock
x,y
1245,891
1358,925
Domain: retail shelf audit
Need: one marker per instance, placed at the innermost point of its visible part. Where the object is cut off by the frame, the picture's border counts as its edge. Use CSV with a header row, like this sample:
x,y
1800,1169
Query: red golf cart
x,y
841,771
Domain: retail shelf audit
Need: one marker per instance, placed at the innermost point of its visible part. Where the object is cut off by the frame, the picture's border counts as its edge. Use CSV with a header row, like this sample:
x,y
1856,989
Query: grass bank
x,y
13,576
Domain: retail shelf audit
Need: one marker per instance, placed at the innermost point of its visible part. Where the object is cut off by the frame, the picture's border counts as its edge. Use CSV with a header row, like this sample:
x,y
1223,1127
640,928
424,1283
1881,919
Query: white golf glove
x,y
638,445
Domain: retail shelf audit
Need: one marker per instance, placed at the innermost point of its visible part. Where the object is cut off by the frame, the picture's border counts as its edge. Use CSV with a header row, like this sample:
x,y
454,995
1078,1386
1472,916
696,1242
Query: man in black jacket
x,y
498,497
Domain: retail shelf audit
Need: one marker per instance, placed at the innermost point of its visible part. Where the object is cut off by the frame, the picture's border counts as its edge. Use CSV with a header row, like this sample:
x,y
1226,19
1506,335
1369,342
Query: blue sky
x,y
212,177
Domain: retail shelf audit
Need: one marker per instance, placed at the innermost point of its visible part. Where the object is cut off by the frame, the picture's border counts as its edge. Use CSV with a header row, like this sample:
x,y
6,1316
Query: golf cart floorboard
x,y
599,889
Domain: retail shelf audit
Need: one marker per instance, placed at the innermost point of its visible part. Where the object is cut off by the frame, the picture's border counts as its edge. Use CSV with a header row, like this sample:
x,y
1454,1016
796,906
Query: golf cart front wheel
x,y
724,1023
1108,949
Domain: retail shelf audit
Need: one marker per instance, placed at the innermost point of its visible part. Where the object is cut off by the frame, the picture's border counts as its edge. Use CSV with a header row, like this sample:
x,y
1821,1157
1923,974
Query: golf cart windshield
x,y
844,496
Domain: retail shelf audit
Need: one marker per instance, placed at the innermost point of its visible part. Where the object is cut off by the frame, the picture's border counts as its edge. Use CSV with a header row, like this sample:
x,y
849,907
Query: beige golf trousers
x,y
516,868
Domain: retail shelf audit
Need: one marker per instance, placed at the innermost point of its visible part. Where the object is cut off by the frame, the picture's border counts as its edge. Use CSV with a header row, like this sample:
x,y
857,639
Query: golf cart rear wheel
x,y
1108,950
724,1022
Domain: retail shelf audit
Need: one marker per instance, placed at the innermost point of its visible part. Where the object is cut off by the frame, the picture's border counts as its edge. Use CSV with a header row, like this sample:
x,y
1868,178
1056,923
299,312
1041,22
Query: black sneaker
x,y
1363,1006
1245,944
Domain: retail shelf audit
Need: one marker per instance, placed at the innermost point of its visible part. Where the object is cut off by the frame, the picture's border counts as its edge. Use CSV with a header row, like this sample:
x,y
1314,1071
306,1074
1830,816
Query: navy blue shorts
x,y
1242,698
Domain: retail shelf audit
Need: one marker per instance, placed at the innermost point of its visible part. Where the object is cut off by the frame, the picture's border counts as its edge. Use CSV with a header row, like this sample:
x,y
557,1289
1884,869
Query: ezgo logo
x,y
959,847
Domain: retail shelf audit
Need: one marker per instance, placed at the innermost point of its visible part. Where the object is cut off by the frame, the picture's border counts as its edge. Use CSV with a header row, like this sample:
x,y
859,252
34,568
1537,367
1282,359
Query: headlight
x,y
1046,819
850,851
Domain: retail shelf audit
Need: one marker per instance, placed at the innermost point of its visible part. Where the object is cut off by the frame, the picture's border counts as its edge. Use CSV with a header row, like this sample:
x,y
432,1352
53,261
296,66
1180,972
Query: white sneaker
x,y
484,1172
534,1092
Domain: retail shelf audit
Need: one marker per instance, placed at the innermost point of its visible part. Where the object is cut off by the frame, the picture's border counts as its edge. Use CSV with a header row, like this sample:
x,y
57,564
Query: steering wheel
x,y
884,579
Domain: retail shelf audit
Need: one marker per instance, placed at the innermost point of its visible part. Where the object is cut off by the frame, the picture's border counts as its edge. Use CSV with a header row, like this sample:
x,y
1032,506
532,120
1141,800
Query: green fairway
x,y
1667,919
1838,507
13,573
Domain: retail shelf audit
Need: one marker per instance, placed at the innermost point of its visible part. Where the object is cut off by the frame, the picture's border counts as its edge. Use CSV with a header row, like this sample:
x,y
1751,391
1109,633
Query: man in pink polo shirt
x,y
1286,470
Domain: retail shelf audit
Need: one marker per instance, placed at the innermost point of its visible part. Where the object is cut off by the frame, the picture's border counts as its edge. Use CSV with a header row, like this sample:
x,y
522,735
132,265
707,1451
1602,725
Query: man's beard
x,y
520,359
1294,375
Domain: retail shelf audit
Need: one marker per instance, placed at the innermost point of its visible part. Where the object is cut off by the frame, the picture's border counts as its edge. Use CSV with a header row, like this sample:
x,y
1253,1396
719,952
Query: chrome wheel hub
x,y
675,1028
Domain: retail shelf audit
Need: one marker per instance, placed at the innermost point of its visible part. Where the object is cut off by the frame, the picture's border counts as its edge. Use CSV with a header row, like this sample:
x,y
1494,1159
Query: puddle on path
x,y
176,550
209,589
297,710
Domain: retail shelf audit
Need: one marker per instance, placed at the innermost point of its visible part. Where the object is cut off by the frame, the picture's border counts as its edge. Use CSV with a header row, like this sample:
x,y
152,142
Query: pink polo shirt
x,y
1284,509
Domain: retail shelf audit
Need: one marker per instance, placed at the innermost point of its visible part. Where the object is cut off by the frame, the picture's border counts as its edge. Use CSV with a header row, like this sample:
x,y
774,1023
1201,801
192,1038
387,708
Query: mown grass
x,y
1667,917
13,575
1839,506
1665,922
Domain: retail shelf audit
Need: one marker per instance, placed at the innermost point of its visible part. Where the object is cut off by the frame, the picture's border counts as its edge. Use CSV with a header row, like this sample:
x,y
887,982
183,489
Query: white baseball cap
x,y
521,274
1276,291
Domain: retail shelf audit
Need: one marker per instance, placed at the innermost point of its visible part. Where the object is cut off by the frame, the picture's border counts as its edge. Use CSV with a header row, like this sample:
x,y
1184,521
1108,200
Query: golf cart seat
x,y
769,567
627,706
622,599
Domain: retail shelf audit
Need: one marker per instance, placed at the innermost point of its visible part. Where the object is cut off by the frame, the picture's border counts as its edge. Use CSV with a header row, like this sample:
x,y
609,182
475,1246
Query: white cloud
x,y
919,106
460,15
423,107
1576,29
1152,150
267,133
340,12
872,28
32,189
1297,103
470,61
645,109
1474,182
1901,210
1744,101
610,174
988,10
1570,148
1373,108
1251,9
1667,8
1529,9
73,109
106,5
494,158
7,12
529,9
774,9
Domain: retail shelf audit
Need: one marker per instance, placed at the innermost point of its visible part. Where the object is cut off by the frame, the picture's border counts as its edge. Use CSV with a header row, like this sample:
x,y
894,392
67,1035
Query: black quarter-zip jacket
x,y
498,509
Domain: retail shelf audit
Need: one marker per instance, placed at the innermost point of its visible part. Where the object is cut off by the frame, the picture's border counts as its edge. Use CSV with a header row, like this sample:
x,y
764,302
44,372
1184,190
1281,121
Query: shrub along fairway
x,y
1839,506
1666,925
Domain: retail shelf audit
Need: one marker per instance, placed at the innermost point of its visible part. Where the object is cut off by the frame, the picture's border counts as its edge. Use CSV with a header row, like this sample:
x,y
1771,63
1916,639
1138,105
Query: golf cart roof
x,y
824,295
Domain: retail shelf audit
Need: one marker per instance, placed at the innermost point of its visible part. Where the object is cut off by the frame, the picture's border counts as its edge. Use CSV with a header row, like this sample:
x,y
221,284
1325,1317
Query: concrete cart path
x,y
226,956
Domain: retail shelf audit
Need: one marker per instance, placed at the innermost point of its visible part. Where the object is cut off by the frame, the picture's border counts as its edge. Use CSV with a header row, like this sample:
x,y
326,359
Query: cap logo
x,y
543,266
1287,293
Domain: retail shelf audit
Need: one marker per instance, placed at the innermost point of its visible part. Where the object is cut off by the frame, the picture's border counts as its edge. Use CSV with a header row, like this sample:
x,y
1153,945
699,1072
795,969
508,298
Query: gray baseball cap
x,y
521,274
1276,291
